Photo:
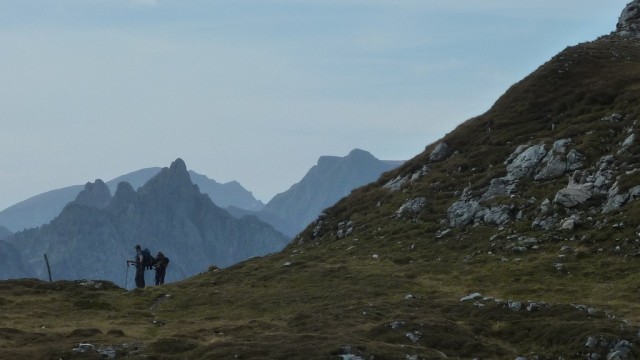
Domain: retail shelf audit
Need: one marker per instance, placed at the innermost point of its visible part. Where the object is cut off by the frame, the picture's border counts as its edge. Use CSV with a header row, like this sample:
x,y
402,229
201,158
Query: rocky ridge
x,y
95,234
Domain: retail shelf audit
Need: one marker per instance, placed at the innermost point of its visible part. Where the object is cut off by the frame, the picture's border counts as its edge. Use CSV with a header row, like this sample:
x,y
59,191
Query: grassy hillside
x,y
369,282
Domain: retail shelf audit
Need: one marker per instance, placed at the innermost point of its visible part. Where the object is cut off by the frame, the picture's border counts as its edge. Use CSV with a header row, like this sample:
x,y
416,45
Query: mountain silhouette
x,y
328,181
42,208
92,239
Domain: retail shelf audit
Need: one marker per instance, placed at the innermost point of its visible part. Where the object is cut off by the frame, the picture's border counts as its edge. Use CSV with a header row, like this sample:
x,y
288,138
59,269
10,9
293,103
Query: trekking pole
x,y
126,277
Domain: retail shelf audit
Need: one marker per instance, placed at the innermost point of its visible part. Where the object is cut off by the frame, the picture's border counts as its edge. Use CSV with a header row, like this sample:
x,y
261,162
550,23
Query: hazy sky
x,y
256,90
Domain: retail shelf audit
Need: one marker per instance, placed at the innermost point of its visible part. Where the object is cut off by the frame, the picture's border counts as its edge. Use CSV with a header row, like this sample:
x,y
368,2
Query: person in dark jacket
x,y
139,263
161,267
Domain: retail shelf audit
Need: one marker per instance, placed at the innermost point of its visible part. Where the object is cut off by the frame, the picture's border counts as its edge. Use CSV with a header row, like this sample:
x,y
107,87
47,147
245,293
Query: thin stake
x,y
126,277
48,267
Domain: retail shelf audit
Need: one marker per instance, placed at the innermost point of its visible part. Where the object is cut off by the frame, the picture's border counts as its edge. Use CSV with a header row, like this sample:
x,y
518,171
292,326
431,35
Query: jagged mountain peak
x,y
173,179
124,197
178,165
359,152
96,194
124,190
629,21
354,156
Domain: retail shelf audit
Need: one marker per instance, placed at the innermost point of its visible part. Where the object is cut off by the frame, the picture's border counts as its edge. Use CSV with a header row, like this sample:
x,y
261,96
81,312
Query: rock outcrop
x,y
629,21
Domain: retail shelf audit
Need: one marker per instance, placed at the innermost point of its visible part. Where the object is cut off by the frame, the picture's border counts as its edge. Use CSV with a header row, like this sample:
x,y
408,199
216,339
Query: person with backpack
x,y
141,262
161,267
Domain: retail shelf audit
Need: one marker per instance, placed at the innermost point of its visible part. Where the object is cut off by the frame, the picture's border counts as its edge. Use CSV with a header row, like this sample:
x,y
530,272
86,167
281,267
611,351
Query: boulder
x,y
462,212
497,215
413,205
556,163
547,223
569,224
629,21
525,163
615,202
397,183
544,206
501,186
441,152
553,167
629,141
575,160
612,118
572,197
473,296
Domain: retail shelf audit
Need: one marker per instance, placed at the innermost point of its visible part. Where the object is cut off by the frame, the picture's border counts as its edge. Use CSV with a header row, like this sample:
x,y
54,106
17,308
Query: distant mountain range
x,y
324,184
94,234
42,208
288,212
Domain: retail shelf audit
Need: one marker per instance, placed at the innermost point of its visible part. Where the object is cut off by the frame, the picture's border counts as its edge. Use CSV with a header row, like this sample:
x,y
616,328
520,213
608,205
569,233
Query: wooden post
x,y
48,268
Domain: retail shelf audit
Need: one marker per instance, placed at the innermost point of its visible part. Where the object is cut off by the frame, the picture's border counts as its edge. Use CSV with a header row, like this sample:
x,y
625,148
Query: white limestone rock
x,y
629,21
526,163
441,152
572,197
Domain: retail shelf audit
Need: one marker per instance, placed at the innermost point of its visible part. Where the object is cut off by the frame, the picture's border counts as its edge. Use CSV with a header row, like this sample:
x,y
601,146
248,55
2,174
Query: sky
x,y
256,90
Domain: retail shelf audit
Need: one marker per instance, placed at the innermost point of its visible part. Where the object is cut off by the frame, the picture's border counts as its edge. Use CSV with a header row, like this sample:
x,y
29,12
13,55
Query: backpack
x,y
147,260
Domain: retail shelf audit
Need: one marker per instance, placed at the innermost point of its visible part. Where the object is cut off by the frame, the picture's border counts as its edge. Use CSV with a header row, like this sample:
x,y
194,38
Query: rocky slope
x,y
95,234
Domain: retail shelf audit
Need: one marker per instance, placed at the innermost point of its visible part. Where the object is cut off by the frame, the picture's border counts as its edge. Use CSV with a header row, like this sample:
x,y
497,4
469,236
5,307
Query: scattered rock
x,y
514,305
474,296
572,197
84,348
414,337
413,205
497,215
462,212
627,143
397,183
501,186
396,325
568,224
544,206
525,163
441,152
613,117
556,163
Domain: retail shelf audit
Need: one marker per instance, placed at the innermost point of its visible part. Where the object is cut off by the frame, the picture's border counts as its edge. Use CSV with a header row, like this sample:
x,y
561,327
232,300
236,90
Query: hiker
x,y
139,263
161,267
